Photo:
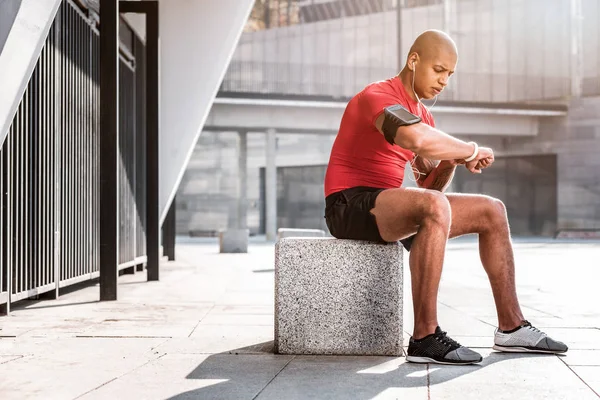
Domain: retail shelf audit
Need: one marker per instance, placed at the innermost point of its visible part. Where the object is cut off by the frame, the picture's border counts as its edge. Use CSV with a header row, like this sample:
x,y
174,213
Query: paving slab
x,y
582,358
242,309
348,377
189,376
508,376
237,319
67,368
212,339
590,375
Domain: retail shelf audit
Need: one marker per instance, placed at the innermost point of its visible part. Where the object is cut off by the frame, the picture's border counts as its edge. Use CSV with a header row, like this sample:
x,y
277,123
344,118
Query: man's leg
x,y
486,216
399,214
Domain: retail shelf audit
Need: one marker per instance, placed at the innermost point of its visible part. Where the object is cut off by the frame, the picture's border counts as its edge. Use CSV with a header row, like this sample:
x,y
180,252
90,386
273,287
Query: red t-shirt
x,y
360,155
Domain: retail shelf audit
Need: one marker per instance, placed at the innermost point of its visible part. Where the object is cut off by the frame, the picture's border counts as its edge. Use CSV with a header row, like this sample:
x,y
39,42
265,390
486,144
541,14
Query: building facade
x,y
512,54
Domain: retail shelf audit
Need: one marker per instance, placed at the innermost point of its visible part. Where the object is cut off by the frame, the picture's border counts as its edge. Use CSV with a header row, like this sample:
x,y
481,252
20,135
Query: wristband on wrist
x,y
475,152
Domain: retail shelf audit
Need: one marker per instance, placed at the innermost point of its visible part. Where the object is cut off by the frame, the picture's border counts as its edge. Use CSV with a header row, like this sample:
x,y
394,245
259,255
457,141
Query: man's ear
x,y
413,58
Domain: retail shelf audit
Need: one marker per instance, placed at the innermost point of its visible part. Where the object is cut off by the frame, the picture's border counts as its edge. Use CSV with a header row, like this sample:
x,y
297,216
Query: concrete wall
x,y
207,195
197,40
576,141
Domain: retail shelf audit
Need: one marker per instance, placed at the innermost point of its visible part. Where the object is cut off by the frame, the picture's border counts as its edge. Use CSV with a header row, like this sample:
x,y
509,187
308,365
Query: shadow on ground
x,y
247,372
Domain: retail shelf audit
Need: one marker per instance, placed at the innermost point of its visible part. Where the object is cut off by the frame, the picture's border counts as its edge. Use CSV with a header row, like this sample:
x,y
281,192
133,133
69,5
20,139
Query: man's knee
x,y
496,212
437,208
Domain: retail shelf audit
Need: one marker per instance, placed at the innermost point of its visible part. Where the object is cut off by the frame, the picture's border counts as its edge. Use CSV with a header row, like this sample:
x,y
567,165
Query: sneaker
x,y
527,338
440,349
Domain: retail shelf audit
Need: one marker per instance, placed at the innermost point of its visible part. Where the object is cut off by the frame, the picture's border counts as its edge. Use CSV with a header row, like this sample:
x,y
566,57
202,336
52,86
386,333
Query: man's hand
x,y
484,159
486,162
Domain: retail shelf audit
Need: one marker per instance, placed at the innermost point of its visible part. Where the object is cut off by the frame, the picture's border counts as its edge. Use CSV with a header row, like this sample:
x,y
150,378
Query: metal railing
x,y
131,161
77,147
49,166
299,79
345,81
29,186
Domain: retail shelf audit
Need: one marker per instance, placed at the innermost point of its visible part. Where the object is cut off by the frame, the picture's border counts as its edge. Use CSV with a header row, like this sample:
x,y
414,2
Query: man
x,y
365,200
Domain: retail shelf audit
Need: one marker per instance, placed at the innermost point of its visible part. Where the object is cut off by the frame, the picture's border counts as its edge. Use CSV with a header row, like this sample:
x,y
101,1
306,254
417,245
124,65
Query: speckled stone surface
x,y
340,297
292,232
233,241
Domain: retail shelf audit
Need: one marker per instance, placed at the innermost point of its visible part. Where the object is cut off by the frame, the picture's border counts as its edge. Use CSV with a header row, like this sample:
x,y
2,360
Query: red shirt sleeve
x,y
372,101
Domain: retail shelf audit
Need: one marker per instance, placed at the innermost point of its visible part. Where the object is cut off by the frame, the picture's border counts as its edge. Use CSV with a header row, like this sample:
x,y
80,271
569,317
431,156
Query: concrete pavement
x,y
205,331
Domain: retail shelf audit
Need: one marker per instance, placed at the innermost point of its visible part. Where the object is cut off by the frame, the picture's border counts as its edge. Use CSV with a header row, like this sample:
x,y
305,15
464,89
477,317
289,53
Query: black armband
x,y
395,117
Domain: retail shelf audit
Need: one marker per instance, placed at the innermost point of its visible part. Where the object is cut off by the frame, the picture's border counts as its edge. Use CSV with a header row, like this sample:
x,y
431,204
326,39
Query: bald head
x,y
434,44
430,63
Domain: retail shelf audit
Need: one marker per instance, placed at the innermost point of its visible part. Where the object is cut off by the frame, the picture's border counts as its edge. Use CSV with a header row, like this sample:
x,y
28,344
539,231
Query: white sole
x,y
427,360
524,350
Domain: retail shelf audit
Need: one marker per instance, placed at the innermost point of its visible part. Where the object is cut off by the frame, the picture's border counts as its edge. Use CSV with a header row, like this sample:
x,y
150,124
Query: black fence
x,y
49,166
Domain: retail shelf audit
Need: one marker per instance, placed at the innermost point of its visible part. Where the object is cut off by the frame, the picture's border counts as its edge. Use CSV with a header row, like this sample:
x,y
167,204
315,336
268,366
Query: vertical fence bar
x,y
55,128
3,291
25,199
8,145
3,297
61,235
6,227
66,146
59,51
42,179
78,140
86,131
18,201
140,149
70,184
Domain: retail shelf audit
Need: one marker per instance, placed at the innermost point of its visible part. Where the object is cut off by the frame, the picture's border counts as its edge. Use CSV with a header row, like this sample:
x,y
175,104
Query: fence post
x,y
109,147
169,231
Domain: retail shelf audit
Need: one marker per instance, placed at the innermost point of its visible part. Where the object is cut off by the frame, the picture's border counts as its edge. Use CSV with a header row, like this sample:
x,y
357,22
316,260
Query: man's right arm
x,y
431,143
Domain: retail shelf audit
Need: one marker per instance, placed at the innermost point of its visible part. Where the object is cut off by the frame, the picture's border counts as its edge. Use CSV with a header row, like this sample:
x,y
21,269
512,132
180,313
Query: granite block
x,y
338,297
292,232
233,241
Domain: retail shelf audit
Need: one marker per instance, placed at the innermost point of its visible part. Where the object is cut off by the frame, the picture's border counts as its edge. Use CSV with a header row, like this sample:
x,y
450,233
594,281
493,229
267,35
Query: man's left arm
x,y
434,175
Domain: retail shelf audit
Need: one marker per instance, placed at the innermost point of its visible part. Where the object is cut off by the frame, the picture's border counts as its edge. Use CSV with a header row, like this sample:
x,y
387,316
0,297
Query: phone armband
x,y
394,117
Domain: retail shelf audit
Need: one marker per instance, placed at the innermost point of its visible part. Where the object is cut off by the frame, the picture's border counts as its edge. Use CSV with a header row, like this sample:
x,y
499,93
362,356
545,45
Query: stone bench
x,y
341,297
233,241
293,232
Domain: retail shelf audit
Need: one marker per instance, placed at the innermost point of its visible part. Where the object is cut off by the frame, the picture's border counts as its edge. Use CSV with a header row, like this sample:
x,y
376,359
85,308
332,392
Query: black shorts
x,y
348,215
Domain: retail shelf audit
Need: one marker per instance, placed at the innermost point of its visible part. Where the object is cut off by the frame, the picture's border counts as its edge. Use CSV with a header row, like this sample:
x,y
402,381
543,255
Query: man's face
x,y
433,73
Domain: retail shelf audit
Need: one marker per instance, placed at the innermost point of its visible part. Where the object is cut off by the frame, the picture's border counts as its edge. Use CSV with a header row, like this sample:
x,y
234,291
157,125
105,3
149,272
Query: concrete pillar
x,y
271,185
242,203
235,238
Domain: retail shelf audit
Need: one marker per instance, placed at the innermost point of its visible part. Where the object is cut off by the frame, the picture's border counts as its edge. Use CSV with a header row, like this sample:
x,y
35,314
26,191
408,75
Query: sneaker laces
x,y
527,324
445,339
